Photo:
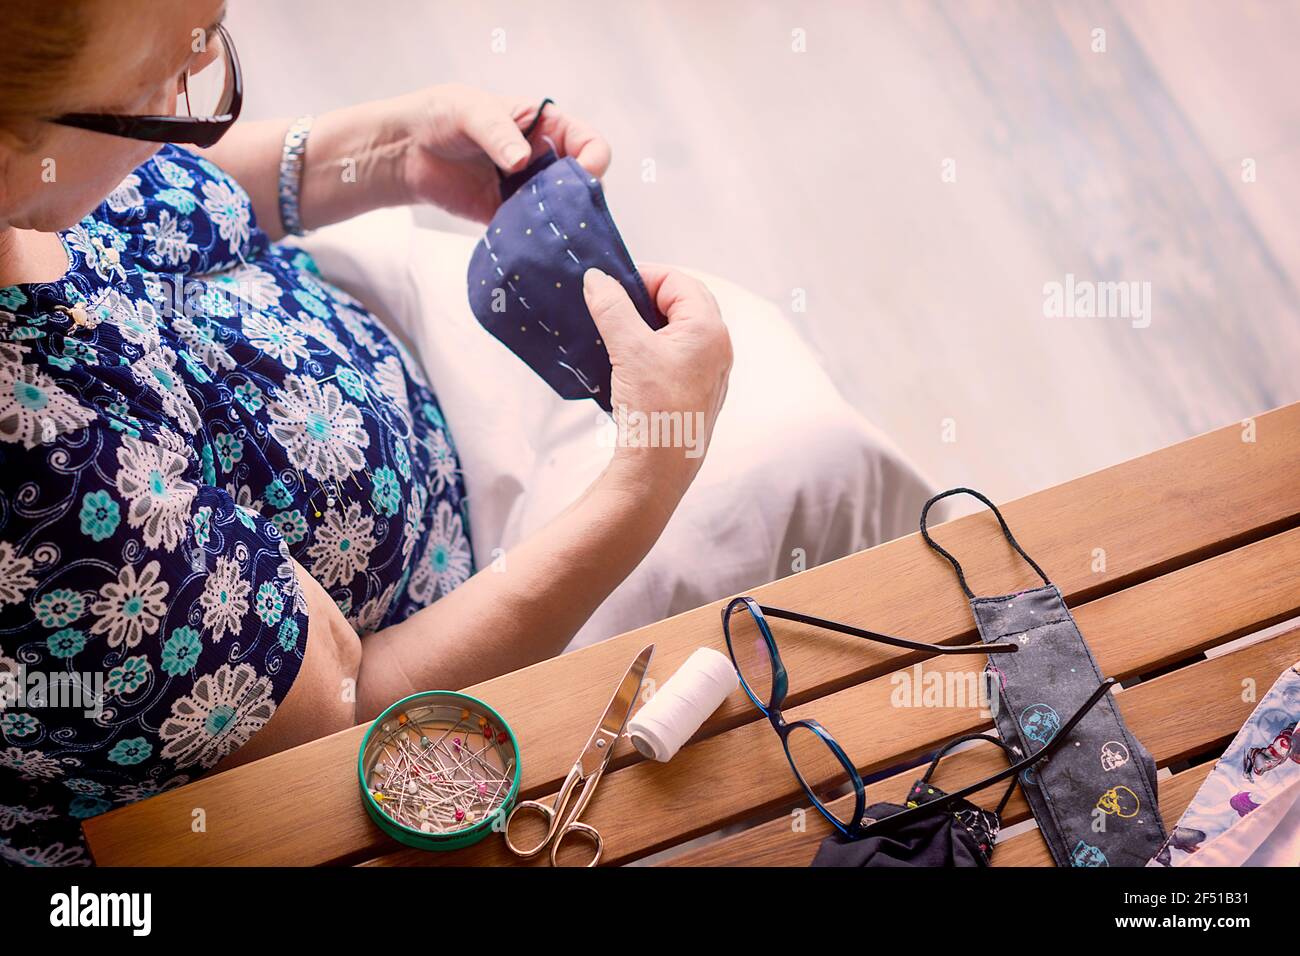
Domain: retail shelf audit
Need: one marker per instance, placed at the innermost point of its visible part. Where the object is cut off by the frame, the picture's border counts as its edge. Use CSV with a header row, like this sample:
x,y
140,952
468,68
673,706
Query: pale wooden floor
x,y
821,171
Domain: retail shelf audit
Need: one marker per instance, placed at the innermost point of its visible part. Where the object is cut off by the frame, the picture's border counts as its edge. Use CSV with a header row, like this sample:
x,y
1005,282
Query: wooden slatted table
x,y
1201,542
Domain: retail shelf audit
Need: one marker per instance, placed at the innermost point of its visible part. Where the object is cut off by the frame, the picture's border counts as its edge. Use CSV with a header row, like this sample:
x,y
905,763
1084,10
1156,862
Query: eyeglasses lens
x,y
820,769
208,87
750,653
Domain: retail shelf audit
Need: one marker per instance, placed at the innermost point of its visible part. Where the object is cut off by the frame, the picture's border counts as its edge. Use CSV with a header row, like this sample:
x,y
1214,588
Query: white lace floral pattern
x,y
183,415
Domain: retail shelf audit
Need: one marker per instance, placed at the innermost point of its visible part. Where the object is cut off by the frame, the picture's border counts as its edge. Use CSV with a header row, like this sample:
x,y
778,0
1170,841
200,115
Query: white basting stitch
x,y
581,378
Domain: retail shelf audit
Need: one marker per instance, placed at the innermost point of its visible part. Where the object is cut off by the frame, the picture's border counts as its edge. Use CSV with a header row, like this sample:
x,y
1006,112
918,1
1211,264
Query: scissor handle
x,y
570,824
547,813
577,828
552,813
560,823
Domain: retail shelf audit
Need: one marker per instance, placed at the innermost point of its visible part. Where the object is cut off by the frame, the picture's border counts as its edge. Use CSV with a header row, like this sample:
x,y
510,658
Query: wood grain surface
x,y
1200,546
1177,715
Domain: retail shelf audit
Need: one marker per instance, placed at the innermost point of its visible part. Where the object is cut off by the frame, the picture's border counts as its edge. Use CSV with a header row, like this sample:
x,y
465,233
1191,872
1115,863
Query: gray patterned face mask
x,y
1095,798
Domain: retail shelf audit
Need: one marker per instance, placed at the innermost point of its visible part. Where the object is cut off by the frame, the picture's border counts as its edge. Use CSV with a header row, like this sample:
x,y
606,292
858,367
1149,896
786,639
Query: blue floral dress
x,y
183,412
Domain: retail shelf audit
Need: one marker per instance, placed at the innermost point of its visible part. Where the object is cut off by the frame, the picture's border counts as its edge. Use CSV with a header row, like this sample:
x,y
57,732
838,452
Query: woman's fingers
x,y
497,133
572,137
677,296
583,143
619,323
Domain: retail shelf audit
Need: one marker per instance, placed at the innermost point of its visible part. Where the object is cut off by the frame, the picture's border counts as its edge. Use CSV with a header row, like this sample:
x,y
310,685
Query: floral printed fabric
x,y
1237,808
183,412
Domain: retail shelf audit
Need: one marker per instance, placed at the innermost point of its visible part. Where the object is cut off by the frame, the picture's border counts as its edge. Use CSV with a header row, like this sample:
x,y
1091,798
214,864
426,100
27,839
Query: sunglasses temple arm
x,y
945,801
886,638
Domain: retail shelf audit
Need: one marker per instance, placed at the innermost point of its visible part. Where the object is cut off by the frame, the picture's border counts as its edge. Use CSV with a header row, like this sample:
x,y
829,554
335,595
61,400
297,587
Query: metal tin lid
x,y
472,760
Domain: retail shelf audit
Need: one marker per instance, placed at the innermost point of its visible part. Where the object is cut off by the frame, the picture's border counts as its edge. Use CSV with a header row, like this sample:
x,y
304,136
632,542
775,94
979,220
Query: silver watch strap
x,y
291,163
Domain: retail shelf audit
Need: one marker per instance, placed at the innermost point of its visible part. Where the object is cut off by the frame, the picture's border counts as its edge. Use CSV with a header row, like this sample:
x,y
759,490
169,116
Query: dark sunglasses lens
x,y
749,652
821,771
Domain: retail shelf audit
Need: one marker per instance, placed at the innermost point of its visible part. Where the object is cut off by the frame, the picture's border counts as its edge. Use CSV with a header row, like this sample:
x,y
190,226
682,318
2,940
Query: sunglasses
x,y
210,98
819,763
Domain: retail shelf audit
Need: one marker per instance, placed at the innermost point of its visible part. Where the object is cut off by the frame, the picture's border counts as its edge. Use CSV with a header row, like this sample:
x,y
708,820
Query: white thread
x,y
577,373
682,704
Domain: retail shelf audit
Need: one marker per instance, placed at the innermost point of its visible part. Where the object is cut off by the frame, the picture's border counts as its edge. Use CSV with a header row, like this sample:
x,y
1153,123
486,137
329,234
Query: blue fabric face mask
x,y
525,275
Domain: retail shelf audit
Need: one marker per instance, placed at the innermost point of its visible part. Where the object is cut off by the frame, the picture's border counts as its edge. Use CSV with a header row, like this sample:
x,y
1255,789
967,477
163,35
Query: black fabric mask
x,y
960,835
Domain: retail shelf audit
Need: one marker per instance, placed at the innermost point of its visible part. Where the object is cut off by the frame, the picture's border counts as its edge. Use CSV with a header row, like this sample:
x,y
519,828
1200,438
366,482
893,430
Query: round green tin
x,y
445,726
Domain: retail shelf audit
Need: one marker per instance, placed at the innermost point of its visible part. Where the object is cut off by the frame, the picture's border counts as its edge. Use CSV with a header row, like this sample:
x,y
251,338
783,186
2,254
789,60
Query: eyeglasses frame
x,y
780,688
199,131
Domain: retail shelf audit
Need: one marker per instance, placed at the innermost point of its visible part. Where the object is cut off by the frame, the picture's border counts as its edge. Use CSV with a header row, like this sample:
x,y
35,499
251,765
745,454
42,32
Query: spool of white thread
x,y
682,704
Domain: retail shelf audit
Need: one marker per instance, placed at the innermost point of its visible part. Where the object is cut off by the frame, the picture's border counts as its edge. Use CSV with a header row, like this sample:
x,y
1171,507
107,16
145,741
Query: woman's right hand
x,y
667,385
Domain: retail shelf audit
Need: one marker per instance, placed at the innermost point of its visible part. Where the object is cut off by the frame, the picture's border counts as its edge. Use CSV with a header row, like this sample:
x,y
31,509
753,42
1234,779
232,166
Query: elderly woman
x,y
216,470
231,511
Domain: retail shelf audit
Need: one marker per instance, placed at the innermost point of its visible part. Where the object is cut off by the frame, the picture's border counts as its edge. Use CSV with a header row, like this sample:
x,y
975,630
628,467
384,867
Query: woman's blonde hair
x,y
42,52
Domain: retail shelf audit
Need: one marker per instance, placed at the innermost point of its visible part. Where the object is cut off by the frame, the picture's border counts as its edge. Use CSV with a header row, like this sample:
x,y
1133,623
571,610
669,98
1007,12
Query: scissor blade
x,y
611,725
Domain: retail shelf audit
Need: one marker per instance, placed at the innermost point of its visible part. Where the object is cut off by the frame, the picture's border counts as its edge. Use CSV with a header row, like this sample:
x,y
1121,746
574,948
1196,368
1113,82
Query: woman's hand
x,y
667,385
457,137
442,145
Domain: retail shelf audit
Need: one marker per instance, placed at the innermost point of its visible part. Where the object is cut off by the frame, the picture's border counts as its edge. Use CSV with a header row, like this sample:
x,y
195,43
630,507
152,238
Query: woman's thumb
x,y
615,316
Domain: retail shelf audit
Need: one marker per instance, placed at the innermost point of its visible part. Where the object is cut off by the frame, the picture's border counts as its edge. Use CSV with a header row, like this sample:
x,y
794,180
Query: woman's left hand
x,y
458,137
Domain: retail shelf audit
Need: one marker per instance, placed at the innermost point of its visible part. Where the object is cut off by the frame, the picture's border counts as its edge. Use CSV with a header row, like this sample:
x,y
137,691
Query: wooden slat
x,y
1160,712
1150,515
648,806
1176,793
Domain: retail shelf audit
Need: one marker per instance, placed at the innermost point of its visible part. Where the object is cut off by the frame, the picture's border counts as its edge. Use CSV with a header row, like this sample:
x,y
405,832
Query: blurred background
x,y
903,178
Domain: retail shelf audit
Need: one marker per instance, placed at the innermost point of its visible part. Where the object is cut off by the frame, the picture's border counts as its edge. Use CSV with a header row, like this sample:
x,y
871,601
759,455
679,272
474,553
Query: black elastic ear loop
x,y
538,118
943,751
1008,647
933,806
961,576
531,126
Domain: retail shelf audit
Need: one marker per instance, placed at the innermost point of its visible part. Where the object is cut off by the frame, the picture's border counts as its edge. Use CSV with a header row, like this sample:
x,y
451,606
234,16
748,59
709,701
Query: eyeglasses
x,y
208,102
820,764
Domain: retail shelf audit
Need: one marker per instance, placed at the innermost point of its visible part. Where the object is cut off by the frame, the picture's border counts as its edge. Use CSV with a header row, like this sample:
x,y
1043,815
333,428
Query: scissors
x,y
587,769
